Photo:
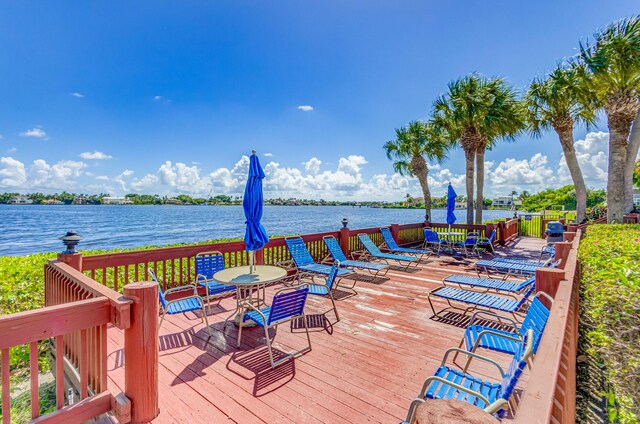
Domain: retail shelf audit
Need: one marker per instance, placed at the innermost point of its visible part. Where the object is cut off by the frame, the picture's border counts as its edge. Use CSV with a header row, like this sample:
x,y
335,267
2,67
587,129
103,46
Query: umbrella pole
x,y
252,261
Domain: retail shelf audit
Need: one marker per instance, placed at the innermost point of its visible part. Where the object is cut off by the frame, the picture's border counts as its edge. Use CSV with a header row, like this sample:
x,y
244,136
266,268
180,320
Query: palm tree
x,y
475,113
610,69
412,144
555,102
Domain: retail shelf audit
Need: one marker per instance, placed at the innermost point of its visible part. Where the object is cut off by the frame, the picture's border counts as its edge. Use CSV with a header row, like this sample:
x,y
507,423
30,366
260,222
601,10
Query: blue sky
x,y
171,95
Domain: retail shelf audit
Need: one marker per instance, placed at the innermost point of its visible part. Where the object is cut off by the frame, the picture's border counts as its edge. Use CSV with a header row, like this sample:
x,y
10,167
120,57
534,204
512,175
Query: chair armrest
x,y
426,383
181,288
497,405
288,265
472,355
249,305
500,317
498,334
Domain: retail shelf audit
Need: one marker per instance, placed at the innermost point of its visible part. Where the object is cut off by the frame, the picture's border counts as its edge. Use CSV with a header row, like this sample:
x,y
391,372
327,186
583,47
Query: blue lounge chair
x,y
489,284
478,300
494,397
522,261
372,251
207,264
304,261
548,250
288,304
326,289
509,268
469,246
431,239
182,305
335,252
393,247
477,336
487,242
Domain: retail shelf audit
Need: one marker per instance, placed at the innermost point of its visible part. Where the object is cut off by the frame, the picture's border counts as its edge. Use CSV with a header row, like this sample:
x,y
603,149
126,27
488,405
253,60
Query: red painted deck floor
x,y
365,368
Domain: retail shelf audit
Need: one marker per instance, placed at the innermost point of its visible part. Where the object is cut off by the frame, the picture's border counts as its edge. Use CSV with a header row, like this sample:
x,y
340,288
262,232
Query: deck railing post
x,y
74,260
141,351
501,233
569,235
344,240
562,252
395,232
548,280
259,257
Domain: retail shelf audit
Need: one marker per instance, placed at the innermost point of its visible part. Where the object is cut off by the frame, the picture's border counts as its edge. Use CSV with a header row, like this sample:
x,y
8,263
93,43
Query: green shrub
x,y
610,311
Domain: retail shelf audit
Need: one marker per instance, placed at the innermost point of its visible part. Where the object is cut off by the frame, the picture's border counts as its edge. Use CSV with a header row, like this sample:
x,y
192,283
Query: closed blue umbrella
x,y
451,205
255,236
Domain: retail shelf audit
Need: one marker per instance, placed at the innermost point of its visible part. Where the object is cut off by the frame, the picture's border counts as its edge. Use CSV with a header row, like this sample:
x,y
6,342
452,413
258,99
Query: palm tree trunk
x,y
469,155
424,183
566,141
632,154
479,184
618,132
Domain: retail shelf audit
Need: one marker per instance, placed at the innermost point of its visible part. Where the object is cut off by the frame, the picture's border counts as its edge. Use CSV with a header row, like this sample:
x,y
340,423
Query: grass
x,y
610,314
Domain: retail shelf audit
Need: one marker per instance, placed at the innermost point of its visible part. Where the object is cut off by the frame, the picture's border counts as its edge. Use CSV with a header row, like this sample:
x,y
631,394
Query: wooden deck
x,y
365,368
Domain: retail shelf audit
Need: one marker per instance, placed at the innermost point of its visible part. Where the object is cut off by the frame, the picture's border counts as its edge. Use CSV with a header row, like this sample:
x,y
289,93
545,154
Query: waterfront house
x,y
112,200
636,197
21,200
502,202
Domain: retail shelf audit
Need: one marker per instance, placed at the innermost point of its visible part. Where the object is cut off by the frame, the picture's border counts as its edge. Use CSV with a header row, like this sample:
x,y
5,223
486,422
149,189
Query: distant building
x,y
636,197
461,205
21,200
414,201
172,201
116,201
80,200
52,202
502,202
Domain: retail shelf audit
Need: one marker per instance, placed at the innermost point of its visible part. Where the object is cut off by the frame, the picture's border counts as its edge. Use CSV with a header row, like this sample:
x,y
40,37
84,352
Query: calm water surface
x,y
28,229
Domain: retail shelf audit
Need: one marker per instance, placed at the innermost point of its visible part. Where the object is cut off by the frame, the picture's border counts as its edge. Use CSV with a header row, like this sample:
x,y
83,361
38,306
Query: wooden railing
x,y
75,319
508,230
550,393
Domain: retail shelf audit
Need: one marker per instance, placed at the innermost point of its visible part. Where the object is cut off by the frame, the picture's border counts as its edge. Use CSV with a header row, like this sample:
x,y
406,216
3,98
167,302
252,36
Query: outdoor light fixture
x,y
70,240
345,221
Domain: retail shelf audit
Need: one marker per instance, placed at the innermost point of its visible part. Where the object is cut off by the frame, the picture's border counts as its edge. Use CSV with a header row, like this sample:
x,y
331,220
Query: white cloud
x,y
95,155
76,94
144,183
102,177
60,175
162,99
351,164
268,155
12,173
12,150
36,132
593,157
305,108
312,166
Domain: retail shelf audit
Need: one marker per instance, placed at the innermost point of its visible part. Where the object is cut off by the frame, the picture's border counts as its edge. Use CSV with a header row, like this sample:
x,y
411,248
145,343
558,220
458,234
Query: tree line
x,y
478,111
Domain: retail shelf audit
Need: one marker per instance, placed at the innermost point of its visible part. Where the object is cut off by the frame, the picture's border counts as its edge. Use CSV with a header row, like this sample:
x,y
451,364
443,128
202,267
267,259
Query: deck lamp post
x,y
70,240
345,222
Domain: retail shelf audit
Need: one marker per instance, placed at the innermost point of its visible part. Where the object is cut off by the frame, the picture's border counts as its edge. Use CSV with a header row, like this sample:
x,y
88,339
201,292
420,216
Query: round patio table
x,y
246,283
450,236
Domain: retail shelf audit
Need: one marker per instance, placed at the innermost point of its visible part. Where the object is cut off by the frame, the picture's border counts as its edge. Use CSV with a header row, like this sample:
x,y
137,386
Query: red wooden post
x,y
501,236
260,257
562,253
548,280
74,260
569,235
344,240
572,228
395,232
141,352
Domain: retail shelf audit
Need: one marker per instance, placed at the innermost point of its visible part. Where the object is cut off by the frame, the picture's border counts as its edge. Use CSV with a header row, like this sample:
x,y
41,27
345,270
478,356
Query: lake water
x,y
35,228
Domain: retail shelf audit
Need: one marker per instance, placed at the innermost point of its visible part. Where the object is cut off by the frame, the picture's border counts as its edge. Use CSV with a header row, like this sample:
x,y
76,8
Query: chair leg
x,y
206,320
266,335
306,327
335,309
240,332
161,319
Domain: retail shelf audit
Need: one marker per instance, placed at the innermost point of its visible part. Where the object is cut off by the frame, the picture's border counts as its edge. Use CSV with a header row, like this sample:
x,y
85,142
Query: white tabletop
x,y
450,233
240,276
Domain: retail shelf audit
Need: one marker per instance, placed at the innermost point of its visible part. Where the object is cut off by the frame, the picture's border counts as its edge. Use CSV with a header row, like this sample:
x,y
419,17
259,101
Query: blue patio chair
x,y
523,261
182,305
548,250
493,397
207,264
489,284
510,268
336,254
469,245
393,247
487,242
431,239
478,300
326,289
304,261
288,304
372,251
478,336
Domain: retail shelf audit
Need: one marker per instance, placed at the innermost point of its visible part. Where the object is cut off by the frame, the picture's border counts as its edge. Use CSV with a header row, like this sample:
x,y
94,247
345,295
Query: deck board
x,y
365,368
